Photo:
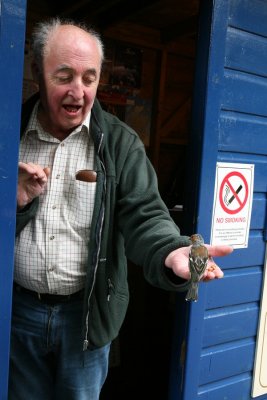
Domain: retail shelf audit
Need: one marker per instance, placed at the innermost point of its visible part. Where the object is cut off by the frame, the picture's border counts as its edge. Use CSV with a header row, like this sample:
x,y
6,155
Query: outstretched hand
x,y
32,181
178,261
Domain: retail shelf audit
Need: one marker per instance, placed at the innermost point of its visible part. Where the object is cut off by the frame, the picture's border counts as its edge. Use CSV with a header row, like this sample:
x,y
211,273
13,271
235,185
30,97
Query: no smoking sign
x,y
233,192
232,205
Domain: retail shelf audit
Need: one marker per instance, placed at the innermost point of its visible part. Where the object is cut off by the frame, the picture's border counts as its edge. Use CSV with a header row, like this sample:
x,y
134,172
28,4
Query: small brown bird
x,y
198,260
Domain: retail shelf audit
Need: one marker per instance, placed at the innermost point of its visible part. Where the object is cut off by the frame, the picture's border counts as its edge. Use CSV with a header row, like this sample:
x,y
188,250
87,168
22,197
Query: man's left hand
x,y
178,261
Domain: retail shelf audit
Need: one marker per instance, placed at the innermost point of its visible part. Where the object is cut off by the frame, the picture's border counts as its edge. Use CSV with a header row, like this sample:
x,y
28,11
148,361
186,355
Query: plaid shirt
x,y
51,251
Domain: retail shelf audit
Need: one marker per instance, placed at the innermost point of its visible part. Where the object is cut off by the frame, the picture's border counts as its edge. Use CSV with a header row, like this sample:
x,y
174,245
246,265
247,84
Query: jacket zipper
x,y
110,288
86,341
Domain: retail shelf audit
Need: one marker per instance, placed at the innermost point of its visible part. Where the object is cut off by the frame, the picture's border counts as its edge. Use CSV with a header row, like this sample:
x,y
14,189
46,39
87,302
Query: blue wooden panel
x,y
219,362
244,93
222,325
230,323
249,279
249,15
252,255
259,211
234,388
238,131
245,52
12,22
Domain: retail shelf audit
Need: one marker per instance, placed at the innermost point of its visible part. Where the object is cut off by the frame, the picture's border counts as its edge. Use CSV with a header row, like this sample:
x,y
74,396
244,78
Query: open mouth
x,y
72,109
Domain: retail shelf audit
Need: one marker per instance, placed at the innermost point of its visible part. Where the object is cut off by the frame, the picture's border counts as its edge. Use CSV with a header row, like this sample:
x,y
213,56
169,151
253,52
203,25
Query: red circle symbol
x,y
233,193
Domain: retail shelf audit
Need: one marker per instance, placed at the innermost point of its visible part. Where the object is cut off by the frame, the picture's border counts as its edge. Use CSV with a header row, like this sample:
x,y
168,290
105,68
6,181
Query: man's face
x,y
68,84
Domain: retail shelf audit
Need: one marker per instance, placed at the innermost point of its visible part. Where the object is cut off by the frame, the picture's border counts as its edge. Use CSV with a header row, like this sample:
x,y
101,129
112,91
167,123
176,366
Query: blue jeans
x,y
47,361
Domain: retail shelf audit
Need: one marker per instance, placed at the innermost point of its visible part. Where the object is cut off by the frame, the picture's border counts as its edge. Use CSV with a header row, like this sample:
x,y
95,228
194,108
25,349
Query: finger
x,y
32,169
47,171
213,270
39,172
216,274
23,167
219,251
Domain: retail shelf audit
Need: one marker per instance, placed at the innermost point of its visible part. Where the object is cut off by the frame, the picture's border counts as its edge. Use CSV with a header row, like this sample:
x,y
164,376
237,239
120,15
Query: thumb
x,y
47,171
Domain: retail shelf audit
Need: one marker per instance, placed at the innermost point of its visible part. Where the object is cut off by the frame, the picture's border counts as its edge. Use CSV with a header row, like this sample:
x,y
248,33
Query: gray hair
x,y
43,30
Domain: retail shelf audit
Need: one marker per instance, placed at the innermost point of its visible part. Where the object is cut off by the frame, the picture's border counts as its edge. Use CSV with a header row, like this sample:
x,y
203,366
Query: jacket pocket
x,y
108,312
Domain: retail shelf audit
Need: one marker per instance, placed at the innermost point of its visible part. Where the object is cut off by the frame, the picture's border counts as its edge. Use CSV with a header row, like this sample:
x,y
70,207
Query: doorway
x,y
155,44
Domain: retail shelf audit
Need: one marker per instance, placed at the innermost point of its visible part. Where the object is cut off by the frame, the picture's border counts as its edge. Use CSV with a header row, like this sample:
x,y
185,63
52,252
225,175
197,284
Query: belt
x,y
50,298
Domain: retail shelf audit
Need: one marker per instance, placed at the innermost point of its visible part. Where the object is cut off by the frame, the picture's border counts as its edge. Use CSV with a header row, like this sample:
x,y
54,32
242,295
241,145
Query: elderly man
x,y
87,200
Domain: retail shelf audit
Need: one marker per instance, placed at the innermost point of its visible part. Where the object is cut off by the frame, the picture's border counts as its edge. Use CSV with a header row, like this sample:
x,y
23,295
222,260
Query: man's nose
x,y
76,89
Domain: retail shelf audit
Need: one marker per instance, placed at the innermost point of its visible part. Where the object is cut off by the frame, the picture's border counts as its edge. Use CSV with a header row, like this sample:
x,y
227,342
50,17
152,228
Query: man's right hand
x,y
32,181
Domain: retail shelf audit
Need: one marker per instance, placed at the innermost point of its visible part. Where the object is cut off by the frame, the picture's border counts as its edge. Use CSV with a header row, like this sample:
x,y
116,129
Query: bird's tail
x,y
192,293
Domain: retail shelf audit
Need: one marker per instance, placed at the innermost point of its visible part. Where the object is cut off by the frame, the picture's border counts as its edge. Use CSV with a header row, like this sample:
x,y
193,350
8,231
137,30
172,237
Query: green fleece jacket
x,y
130,221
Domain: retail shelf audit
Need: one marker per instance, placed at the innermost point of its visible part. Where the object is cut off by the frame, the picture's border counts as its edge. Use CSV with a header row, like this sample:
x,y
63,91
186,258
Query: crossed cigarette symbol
x,y
227,202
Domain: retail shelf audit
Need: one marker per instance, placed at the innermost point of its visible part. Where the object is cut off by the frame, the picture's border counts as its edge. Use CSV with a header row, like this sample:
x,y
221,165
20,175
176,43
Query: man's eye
x,y
87,81
63,79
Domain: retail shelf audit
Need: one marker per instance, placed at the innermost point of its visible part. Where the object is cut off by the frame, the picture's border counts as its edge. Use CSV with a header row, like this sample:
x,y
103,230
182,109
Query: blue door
x,y
215,338
12,25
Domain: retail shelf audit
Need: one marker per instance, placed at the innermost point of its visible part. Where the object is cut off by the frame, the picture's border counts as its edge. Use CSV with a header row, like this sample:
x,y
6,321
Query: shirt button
x,y
52,237
51,269
57,176
54,207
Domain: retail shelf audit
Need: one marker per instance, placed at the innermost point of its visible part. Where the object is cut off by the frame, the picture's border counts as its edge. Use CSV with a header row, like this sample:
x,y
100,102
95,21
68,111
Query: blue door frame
x,y
12,33
213,357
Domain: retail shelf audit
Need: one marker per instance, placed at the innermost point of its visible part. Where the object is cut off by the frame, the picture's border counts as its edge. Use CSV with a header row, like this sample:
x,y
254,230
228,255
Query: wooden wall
x,y
167,81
